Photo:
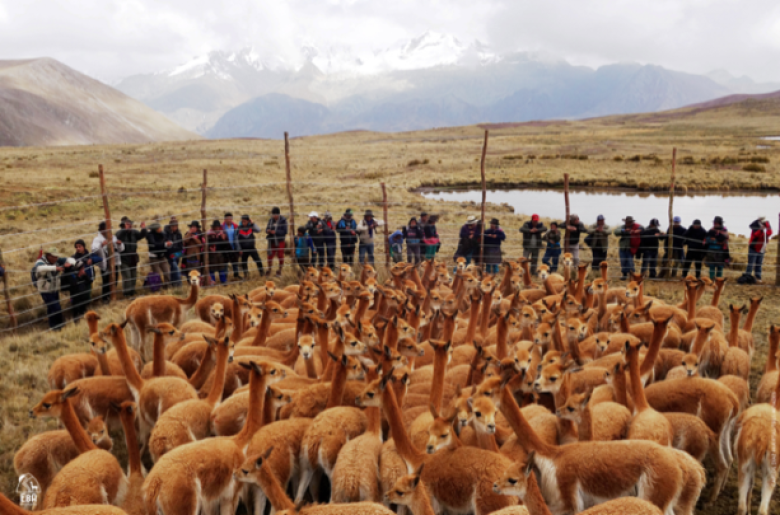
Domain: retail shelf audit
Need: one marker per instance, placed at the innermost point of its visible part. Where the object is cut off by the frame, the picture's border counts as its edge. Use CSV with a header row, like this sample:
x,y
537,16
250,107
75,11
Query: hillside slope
x,y
44,102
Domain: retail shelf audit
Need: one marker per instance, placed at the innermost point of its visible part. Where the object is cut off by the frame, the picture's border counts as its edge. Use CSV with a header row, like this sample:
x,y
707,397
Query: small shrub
x,y
729,161
635,159
688,160
531,156
117,160
759,159
650,157
94,175
582,157
516,156
417,162
618,158
754,167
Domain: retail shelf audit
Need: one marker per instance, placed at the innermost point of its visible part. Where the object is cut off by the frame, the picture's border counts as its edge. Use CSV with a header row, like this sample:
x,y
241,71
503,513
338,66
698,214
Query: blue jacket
x,y
231,231
302,246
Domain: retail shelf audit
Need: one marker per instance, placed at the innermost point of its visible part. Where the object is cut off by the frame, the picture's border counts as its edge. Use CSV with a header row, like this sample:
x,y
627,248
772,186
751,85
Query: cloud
x,y
115,38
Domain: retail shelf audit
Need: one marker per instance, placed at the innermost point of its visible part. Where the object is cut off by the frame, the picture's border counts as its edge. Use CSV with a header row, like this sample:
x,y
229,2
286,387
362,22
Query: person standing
x,y
275,234
717,247
231,231
630,234
329,237
100,247
366,230
193,245
175,251
347,229
469,239
130,238
553,251
532,240
573,231
431,240
46,274
159,249
651,236
760,231
303,247
316,229
598,241
247,246
423,225
678,241
396,241
81,278
413,235
494,237
218,247
694,238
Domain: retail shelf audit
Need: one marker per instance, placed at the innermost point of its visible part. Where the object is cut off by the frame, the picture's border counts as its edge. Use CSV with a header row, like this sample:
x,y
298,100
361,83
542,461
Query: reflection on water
x,y
772,138
737,209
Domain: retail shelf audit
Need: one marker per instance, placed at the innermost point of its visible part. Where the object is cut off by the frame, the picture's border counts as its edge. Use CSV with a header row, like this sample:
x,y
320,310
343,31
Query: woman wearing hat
x,y
193,247
81,279
760,231
218,247
630,234
494,236
159,248
717,243
246,245
469,240
431,240
366,230
413,234
275,234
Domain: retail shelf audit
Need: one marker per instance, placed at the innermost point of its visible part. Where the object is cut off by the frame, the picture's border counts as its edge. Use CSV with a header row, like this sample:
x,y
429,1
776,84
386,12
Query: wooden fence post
x,y
566,221
204,222
110,235
484,198
291,229
777,258
7,295
666,265
384,216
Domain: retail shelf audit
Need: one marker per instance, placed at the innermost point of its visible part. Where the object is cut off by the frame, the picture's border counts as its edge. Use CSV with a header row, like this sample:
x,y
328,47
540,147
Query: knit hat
x,y
276,211
154,226
301,229
328,215
535,217
677,220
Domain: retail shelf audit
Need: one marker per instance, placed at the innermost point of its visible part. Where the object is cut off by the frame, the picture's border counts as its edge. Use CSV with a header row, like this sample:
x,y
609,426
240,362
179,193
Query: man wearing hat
x,y
494,236
347,229
469,239
231,231
651,237
532,232
194,244
159,249
130,238
677,234
366,230
218,247
760,232
175,250
630,234
81,275
247,246
275,233
695,238
573,231
316,229
46,276
329,237
598,241
100,247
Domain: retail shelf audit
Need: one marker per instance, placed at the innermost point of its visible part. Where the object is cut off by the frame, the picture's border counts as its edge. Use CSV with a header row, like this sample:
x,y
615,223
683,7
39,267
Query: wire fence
x,y
24,306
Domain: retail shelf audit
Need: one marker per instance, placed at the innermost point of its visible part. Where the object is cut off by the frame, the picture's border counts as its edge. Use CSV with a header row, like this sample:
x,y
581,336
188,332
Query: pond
x,y
737,209
771,138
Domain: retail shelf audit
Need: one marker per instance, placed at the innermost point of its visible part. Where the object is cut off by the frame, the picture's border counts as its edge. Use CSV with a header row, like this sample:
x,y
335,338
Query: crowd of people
x,y
230,247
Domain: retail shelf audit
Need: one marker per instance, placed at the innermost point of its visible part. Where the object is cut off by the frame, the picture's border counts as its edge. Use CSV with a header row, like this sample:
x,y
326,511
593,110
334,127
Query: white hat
x,y
313,213
471,219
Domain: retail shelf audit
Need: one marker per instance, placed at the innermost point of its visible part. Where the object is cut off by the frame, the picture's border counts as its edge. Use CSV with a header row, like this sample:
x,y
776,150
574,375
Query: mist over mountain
x,y
430,81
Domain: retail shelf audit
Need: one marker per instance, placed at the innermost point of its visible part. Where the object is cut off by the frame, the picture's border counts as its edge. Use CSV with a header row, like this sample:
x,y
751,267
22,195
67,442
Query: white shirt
x,y
98,248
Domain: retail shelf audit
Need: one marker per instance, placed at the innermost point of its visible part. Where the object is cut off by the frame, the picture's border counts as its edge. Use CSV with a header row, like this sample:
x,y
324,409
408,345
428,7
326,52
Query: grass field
x,y
333,172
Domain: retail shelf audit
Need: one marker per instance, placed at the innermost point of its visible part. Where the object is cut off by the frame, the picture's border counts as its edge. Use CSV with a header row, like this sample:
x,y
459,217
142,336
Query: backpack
x,y
153,282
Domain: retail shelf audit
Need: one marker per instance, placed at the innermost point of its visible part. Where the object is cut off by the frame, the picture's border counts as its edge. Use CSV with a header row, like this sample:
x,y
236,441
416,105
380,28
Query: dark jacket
x,y
193,248
176,239
317,232
678,237
695,238
413,235
344,227
429,230
574,236
218,247
469,240
280,230
650,239
553,239
245,237
532,240
493,240
599,240
329,231
759,236
130,237
156,241
77,280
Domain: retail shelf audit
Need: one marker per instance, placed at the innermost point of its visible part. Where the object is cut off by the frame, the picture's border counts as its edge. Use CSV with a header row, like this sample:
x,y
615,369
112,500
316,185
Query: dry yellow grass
x,y
344,170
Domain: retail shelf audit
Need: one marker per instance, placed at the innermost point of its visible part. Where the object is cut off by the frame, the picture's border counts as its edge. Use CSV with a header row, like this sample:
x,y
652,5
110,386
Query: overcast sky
x,y
111,39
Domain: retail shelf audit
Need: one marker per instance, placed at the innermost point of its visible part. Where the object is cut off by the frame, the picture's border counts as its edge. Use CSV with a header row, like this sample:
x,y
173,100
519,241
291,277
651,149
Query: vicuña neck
x,y
254,416
439,371
274,491
771,361
262,331
8,507
223,353
640,402
533,499
734,328
133,377
403,444
158,364
71,422
659,332
133,451
526,436
192,298
421,502
337,385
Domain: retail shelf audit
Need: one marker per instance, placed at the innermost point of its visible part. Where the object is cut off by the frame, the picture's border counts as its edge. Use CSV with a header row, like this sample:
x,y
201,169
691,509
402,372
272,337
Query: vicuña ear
x,y
69,393
434,413
529,464
123,324
417,476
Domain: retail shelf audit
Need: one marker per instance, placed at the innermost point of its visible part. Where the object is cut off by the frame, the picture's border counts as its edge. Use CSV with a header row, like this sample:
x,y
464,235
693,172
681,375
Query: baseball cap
x,y
53,251
677,219
600,218
534,217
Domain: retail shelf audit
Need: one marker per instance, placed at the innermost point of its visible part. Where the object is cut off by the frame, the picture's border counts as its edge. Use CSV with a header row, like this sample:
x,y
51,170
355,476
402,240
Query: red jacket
x,y
758,239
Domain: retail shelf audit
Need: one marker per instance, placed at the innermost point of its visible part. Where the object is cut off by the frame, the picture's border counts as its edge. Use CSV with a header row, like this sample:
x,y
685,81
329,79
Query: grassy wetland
x,y
718,150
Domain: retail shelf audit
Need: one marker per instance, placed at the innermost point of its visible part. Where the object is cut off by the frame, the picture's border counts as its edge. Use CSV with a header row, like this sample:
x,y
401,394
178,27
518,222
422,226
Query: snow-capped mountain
x,y
224,65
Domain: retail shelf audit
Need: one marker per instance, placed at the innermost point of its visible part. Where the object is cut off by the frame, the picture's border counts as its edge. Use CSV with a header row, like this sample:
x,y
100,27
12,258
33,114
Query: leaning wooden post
x,y
384,217
291,229
109,234
484,198
566,221
9,305
203,222
668,258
